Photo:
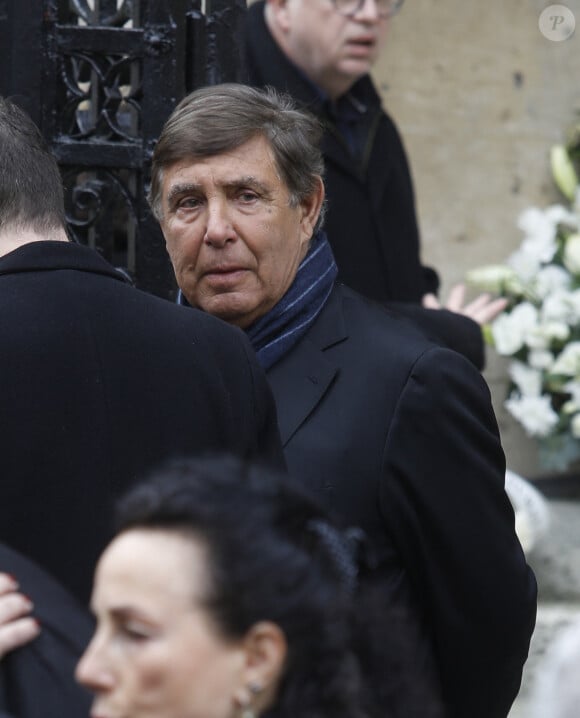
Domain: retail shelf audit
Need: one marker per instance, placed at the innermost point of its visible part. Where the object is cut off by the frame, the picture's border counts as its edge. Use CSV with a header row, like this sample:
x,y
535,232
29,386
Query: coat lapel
x,y
301,379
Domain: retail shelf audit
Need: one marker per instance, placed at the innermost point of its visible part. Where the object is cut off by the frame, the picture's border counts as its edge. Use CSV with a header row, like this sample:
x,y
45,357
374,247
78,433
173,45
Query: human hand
x,y
482,309
16,626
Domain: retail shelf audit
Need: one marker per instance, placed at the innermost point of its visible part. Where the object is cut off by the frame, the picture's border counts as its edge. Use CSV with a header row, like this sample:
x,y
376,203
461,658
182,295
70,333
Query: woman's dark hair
x,y
275,555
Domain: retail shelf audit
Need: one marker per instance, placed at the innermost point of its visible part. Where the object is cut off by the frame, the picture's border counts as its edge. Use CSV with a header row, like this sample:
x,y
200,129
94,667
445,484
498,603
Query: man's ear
x,y
276,15
311,207
265,650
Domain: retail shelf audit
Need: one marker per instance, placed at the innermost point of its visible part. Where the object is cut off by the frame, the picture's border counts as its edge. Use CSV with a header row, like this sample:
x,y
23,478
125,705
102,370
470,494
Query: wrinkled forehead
x,y
252,163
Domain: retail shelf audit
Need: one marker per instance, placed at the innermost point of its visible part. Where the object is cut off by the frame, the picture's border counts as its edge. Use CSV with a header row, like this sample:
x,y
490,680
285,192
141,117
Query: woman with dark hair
x,y
228,592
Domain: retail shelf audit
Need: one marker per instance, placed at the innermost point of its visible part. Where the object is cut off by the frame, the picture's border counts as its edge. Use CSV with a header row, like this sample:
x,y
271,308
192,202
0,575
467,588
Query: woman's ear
x,y
265,650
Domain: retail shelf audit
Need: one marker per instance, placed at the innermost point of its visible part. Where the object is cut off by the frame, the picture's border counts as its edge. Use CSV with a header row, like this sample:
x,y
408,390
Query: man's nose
x,y
369,11
219,228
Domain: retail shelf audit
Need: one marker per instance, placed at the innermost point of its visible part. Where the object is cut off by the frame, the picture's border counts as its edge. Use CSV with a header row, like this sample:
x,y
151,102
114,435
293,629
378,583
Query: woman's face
x,y
156,652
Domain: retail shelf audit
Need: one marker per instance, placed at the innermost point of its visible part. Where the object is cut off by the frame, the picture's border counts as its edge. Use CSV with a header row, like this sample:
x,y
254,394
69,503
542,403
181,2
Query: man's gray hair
x,y
218,119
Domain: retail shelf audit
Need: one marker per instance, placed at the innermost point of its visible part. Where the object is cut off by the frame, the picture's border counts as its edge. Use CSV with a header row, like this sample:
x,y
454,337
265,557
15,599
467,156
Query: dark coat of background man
x,y
99,382
320,52
394,433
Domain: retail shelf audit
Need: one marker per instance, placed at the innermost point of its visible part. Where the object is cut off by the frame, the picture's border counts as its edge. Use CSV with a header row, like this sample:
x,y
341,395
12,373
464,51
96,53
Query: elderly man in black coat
x,y
395,433
321,52
99,382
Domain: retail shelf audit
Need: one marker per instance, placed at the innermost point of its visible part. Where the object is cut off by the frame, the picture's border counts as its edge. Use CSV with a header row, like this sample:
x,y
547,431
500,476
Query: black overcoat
x,y
100,383
397,434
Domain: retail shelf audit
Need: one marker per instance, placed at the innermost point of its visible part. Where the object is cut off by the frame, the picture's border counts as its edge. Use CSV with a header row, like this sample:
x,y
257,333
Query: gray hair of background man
x,y
31,193
217,119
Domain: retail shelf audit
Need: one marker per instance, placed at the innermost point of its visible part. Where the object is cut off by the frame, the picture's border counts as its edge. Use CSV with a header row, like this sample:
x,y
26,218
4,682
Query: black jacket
x,y
371,220
398,435
99,384
37,680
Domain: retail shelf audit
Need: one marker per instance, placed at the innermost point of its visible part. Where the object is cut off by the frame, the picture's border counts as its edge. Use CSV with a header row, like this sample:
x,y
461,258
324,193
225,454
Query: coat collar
x,y
300,380
49,255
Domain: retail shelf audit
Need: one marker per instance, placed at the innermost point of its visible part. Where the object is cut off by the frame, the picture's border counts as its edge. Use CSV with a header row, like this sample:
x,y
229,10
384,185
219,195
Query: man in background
x,y
321,53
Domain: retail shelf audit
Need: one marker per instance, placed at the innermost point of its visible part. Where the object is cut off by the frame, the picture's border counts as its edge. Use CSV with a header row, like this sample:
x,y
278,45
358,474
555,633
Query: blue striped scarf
x,y
274,334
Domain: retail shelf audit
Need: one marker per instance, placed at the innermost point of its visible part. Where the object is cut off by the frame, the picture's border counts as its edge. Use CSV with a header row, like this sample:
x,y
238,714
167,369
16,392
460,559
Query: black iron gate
x,y
100,78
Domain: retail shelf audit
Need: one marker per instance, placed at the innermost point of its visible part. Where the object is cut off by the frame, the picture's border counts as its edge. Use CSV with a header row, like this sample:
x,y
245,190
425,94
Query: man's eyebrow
x,y
246,180
181,188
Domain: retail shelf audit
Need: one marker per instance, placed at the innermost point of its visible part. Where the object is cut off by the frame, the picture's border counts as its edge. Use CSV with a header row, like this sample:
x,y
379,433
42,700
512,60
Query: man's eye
x,y
247,196
188,203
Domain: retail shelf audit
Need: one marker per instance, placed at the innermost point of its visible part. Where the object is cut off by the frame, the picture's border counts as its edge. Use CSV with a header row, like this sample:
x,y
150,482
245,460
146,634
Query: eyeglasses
x,y
385,8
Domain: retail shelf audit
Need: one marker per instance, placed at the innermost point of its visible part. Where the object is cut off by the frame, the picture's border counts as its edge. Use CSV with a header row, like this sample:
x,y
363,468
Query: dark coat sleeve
x,y
453,524
448,329
37,680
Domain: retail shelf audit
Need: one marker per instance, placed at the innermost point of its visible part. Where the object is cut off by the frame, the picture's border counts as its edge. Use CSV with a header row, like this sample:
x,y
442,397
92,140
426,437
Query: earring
x,y
247,711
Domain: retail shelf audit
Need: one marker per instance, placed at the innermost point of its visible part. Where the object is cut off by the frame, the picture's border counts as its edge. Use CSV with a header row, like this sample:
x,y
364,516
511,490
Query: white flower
x,y
509,330
568,362
534,223
571,257
573,388
540,230
540,359
541,327
574,300
534,413
527,380
560,215
551,279
542,335
525,263
575,426
557,307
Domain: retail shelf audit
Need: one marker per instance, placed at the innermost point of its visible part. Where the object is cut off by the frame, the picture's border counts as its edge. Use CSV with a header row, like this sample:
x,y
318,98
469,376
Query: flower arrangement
x,y
540,327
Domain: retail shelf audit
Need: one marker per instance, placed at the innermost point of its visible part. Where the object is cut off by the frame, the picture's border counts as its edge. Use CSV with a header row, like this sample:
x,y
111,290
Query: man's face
x,y
234,240
334,51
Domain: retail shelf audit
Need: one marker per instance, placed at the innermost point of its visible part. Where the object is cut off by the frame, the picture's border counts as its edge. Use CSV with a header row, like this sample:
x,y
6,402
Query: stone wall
x,y
480,95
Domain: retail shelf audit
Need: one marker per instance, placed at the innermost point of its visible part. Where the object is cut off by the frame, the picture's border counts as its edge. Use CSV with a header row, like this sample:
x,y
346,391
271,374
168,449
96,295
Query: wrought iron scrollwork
x,y
100,77
103,94
87,12
102,212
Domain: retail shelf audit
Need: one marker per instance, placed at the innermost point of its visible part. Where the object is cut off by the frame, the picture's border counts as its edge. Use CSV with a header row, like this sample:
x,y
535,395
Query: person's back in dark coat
x,y
100,382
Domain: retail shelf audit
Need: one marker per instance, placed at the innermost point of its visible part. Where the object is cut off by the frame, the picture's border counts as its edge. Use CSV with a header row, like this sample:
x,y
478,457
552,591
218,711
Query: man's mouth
x,y
228,269
224,277
363,44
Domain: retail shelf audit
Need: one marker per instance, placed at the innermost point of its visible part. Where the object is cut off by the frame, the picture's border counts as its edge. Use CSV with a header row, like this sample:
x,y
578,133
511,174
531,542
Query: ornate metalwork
x,y
105,75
